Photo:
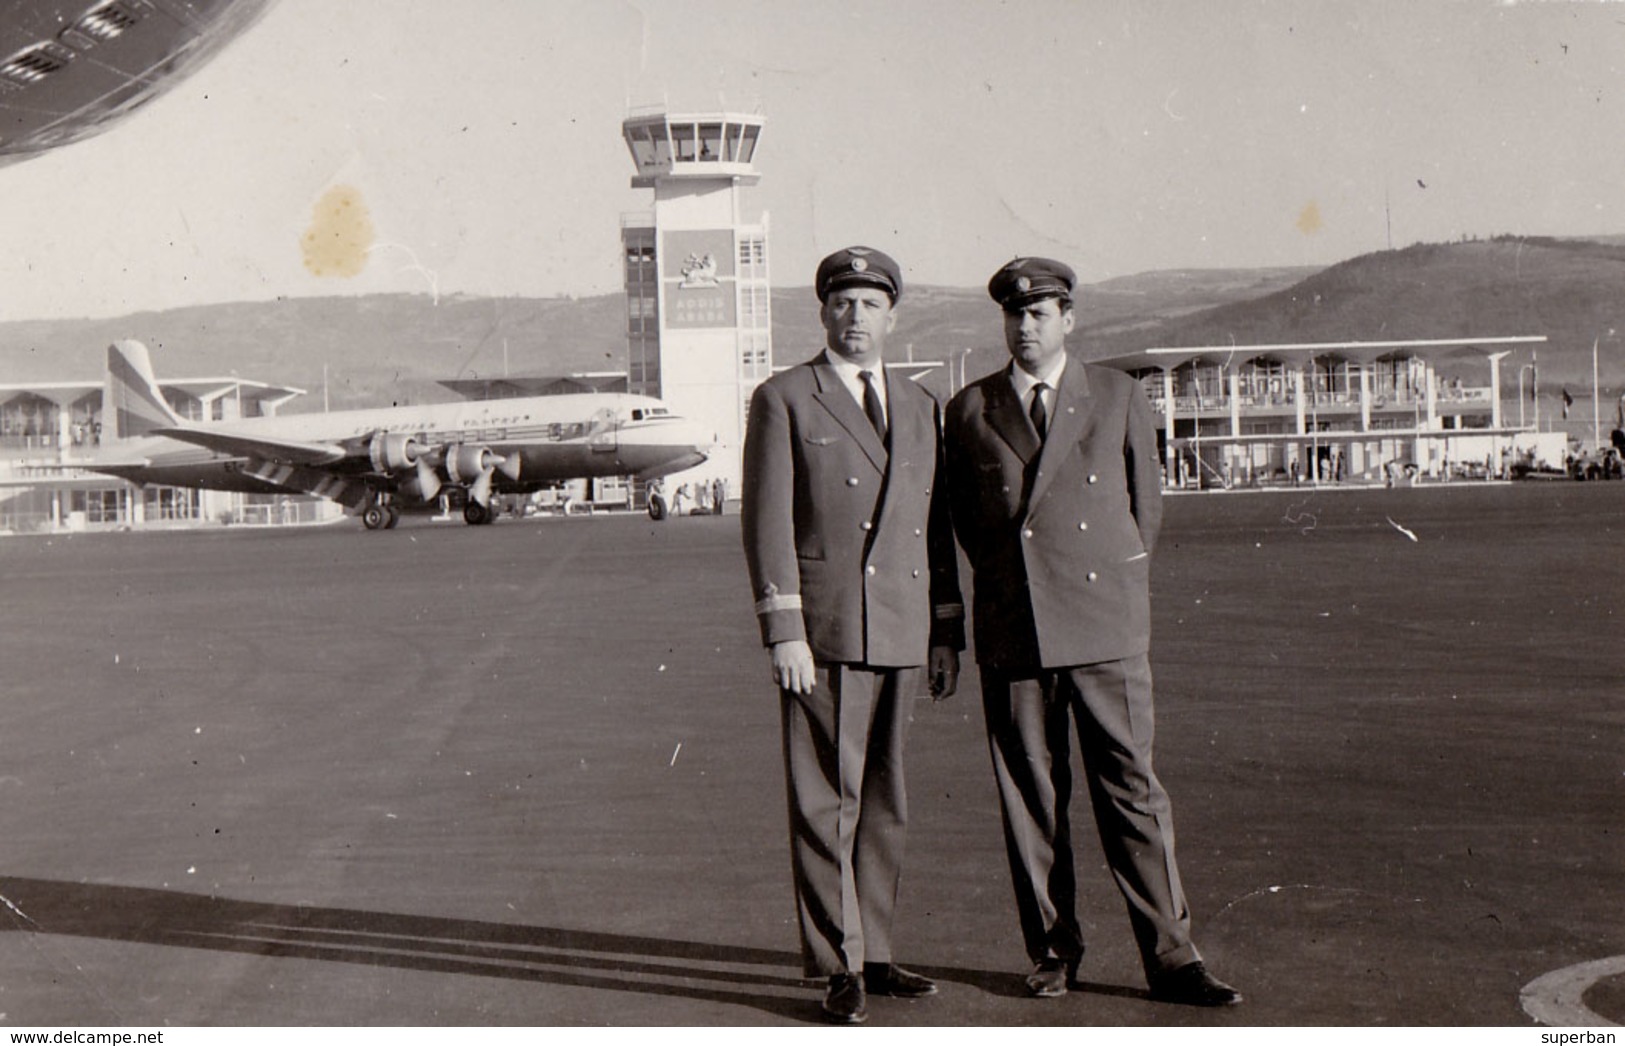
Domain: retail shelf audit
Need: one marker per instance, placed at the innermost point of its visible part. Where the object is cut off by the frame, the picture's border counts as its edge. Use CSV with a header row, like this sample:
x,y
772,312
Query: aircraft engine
x,y
393,452
471,466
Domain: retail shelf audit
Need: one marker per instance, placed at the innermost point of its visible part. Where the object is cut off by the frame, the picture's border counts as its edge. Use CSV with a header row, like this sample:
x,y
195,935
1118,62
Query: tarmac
x,y
529,775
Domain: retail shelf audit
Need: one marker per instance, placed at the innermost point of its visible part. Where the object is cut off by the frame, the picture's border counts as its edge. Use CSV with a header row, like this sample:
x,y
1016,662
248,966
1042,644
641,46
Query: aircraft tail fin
x,y
132,404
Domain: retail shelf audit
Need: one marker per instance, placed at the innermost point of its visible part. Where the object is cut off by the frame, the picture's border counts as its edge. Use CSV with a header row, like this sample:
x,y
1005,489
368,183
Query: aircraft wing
x,y
122,467
281,451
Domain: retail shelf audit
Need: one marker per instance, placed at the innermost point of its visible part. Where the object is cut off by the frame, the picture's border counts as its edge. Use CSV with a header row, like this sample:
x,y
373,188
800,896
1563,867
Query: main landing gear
x,y
380,516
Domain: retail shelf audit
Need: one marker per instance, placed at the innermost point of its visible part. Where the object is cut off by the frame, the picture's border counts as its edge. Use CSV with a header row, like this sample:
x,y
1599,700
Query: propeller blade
x,y
509,466
428,482
480,489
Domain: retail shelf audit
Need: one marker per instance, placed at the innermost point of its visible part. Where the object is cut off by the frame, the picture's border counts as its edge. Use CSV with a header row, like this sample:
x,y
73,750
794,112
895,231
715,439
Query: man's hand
x,y
943,672
792,663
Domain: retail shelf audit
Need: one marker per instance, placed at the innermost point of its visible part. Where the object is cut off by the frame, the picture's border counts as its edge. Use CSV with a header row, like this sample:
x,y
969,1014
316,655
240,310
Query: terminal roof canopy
x,y
1171,358
268,396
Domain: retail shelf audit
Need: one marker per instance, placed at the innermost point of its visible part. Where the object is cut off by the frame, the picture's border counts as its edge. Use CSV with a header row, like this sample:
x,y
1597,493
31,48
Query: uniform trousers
x,y
1029,721
843,764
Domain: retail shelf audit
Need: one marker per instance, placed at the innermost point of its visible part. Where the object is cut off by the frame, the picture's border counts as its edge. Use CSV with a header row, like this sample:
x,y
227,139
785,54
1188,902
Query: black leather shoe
x,y
844,1001
1192,985
884,978
1050,978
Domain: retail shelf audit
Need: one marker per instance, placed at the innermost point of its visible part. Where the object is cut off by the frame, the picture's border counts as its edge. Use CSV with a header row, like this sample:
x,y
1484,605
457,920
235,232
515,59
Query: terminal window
x,y
99,506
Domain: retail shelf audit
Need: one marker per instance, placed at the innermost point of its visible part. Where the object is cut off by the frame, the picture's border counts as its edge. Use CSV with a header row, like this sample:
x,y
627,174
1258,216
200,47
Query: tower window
x,y
710,142
683,139
642,146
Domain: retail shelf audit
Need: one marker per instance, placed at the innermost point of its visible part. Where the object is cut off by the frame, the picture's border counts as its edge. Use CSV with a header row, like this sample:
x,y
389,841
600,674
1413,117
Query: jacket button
x,y
1027,533
1092,576
1083,524
870,569
852,481
916,573
866,525
1093,478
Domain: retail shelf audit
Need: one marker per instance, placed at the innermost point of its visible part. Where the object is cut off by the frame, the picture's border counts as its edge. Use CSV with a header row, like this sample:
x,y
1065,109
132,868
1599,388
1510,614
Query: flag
x,y
1568,401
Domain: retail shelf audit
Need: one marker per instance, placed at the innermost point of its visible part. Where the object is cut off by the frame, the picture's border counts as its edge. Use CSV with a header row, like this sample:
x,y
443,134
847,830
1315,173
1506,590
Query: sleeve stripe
x,y
775,603
948,611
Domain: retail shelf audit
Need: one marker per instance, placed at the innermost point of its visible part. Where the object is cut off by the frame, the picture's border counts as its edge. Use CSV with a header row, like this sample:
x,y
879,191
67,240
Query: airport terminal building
x,y
46,427
1344,412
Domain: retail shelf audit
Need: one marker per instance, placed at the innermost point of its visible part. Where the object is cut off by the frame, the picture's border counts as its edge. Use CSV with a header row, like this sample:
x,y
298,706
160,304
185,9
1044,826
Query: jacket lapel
x,y
839,402
912,419
1006,417
913,425
1065,425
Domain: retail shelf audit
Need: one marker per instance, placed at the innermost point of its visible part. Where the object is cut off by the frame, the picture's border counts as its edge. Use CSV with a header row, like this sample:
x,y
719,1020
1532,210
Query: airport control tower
x,y
699,329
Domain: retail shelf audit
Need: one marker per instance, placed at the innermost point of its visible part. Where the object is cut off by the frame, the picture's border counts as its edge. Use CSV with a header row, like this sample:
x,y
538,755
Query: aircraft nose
x,y
680,433
697,439
671,445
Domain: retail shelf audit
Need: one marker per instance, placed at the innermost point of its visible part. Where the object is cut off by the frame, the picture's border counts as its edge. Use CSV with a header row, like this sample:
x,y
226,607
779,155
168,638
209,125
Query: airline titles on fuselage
x,y
486,430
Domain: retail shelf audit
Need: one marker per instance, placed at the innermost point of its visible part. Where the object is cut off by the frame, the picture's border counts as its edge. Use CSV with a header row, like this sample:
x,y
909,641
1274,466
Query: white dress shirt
x,y
1024,384
851,376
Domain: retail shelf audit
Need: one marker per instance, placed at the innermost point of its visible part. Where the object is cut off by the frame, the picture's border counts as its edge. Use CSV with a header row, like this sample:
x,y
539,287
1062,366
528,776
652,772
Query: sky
x,y
482,141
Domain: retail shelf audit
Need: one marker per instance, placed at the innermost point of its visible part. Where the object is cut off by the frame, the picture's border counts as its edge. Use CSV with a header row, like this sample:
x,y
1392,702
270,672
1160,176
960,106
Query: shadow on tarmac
x,y
738,976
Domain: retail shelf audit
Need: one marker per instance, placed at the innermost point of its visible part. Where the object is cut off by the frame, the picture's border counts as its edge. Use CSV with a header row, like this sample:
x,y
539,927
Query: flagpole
x,y
1534,384
1596,398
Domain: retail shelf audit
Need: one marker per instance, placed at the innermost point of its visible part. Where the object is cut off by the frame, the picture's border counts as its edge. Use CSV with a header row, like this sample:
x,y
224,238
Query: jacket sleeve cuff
x,y
948,625
781,622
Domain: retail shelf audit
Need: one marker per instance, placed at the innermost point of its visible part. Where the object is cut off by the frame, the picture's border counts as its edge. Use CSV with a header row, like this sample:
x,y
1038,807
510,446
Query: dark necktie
x,y
1037,412
871,404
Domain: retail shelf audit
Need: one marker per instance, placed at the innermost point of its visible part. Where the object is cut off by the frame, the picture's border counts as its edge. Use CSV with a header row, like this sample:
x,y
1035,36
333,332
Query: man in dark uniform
x,y
1055,487
853,570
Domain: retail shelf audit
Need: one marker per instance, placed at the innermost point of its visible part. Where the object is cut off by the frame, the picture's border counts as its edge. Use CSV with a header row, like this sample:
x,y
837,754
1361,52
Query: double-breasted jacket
x,y
1058,532
848,540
